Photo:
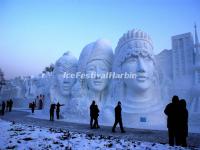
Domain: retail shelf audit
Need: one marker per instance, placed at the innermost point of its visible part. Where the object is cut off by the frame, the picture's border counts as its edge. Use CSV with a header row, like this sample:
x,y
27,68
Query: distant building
x,y
181,66
197,58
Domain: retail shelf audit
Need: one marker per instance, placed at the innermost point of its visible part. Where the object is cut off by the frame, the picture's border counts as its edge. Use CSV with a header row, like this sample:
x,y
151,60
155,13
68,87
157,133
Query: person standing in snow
x,y
96,115
118,118
172,113
33,107
52,108
3,107
183,123
10,105
92,108
58,110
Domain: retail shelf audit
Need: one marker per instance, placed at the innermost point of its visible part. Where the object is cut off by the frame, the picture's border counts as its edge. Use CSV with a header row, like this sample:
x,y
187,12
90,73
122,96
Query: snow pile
x,y
17,136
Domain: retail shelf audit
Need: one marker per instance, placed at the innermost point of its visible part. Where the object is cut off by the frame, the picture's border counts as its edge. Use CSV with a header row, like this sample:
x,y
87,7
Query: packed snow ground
x,y
18,136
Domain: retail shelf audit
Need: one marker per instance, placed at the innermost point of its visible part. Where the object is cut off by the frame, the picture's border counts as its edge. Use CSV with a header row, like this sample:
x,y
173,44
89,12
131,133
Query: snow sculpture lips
x,y
141,78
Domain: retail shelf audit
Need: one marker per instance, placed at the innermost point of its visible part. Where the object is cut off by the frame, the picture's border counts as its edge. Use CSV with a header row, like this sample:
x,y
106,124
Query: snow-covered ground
x,y
18,136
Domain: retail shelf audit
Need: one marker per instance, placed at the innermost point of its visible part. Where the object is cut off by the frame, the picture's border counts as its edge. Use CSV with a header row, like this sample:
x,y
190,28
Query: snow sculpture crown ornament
x,y
136,35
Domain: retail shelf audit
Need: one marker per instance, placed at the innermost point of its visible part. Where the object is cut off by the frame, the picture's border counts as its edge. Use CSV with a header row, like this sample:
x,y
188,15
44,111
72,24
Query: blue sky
x,y
35,33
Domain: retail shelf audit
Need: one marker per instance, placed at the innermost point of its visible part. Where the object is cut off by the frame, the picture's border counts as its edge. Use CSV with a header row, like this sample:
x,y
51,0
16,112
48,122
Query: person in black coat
x,y
3,107
96,115
33,107
58,110
183,123
118,118
7,105
40,103
171,110
10,105
92,109
51,111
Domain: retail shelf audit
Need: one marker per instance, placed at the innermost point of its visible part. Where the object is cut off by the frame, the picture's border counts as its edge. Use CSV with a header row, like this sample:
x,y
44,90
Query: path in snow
x,y
131,133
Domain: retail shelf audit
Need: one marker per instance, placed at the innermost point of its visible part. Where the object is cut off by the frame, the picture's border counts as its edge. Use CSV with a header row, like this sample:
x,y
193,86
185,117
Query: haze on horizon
x,y
34,33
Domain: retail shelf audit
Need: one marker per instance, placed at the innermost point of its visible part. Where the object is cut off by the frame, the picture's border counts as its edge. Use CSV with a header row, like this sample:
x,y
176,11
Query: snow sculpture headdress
x,y
99,50
66,62
141,45
134,42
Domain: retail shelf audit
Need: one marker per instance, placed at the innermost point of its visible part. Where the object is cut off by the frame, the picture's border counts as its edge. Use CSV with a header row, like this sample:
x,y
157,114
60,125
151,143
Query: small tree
x,y
49,69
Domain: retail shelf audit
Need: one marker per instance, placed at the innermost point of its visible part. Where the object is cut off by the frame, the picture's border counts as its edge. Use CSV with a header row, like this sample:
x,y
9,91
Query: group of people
x,y
52,110
94,114
6,106
39,100
177,122
176,111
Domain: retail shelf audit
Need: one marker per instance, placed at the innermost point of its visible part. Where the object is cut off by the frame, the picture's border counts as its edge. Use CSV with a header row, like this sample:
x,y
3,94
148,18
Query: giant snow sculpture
x,y
61,85
140,95
96,58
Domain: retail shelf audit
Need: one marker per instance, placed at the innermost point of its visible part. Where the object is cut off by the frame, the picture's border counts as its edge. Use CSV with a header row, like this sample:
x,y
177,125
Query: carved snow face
x,y
64,84
98,67
140,63
64,66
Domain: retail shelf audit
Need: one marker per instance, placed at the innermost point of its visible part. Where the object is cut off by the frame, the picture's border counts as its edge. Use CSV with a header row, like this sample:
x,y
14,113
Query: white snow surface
x,y
18,136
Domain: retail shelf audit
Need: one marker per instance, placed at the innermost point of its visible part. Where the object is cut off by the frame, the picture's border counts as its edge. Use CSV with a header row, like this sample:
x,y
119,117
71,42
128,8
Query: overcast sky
x,y
35,33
